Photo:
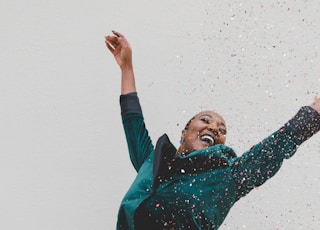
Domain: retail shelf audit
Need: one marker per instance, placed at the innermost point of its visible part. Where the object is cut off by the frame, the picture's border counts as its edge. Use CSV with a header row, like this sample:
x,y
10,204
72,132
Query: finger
x,y
120,37
117,34
110,47
122,41
114,43
111,39
117,50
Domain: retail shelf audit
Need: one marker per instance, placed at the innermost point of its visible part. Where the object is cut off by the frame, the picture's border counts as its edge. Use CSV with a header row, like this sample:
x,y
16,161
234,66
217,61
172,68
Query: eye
x,y
205,120
223,131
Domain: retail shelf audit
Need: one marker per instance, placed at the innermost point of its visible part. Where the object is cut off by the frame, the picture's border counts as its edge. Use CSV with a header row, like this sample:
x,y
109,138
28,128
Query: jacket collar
x,y
166,163
163,157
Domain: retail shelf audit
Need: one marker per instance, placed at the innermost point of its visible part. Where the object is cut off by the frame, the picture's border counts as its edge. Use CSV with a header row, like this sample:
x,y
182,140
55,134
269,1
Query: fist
x,y
316,104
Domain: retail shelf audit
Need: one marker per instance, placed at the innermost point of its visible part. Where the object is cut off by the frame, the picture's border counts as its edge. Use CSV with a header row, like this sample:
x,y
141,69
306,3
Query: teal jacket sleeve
x,y
263,160
138,140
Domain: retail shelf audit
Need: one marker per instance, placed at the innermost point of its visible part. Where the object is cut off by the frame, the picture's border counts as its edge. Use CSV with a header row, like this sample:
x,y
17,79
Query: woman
x,y
194,186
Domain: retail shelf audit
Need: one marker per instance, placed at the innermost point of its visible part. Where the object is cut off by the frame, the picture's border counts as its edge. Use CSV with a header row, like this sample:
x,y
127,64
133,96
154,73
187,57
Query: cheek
x,y
192,134
222,139
191,139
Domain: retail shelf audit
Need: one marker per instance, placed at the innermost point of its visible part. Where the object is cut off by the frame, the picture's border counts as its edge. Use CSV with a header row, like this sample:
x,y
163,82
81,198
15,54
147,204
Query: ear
x,y
183,133
181,149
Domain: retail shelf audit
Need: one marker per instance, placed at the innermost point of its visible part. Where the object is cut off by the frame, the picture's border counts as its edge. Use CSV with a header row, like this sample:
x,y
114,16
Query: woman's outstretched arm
x,y
264,159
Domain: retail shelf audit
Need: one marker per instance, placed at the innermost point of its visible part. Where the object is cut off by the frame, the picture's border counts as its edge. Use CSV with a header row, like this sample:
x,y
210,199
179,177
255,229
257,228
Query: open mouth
x,y
208,139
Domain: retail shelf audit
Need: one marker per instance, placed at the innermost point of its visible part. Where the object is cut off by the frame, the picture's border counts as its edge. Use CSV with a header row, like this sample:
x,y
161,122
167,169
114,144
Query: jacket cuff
x,y
304,124
129,103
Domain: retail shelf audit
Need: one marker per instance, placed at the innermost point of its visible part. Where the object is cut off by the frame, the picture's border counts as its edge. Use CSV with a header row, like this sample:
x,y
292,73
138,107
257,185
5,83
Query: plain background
x,y
63,158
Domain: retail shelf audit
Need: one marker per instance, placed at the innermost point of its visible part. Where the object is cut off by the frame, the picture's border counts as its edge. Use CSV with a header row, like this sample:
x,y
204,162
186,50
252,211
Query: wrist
x,y
127,72
128,67
127,80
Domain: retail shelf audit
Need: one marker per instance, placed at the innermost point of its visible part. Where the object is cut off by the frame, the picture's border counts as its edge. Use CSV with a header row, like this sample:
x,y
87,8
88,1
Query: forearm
x,y
127,80
304,124
263,160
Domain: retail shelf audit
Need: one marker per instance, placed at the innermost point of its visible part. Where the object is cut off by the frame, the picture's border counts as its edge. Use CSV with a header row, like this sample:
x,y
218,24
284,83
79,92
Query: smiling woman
x,y
195,186
202,131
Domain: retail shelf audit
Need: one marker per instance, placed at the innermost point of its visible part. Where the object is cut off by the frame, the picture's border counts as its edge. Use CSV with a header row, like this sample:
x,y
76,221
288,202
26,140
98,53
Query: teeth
x,y
208,139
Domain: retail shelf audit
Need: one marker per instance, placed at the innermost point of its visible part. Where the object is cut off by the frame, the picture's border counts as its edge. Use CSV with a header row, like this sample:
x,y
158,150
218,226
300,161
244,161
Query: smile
x,y
208,139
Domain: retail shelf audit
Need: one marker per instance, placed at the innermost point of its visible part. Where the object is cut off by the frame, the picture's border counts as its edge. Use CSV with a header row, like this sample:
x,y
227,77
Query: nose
x,y
213,128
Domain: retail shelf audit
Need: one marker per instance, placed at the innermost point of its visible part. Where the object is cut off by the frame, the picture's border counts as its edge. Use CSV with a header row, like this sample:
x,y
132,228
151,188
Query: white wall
x,y
63,156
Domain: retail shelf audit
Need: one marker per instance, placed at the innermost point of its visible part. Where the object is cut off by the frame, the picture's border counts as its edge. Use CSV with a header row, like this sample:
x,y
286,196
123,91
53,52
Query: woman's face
x,y
206,129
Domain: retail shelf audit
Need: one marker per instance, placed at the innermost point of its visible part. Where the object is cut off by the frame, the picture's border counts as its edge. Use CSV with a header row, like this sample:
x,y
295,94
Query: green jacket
x,y
197,191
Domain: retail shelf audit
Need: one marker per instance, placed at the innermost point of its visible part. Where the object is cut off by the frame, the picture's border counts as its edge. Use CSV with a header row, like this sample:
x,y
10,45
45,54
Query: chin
x,y
201,147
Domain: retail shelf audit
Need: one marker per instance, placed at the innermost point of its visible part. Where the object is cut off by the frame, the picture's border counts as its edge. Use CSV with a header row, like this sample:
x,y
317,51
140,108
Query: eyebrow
x,y
209,115
205,114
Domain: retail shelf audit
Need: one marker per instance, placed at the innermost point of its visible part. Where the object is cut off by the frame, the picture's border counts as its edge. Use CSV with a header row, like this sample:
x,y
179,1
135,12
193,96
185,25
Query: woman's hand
x,y
316,104
121,49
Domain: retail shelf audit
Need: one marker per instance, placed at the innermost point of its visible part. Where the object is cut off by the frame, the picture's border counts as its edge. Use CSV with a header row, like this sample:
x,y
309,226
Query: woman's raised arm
x,y
122,52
